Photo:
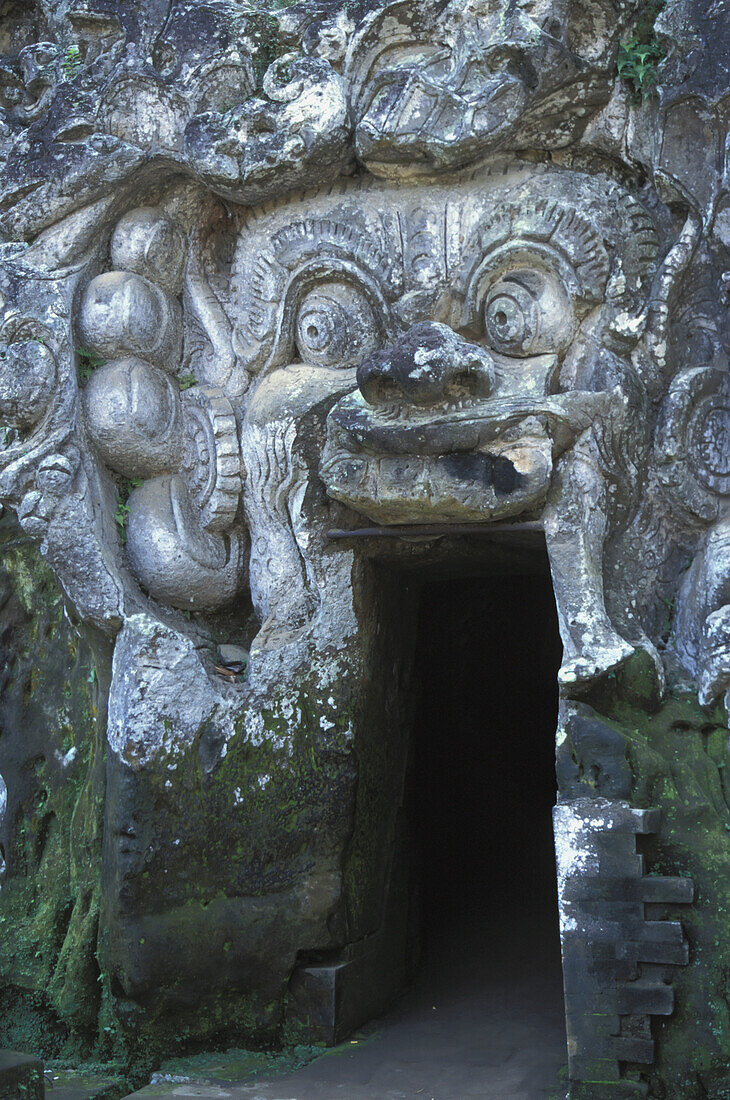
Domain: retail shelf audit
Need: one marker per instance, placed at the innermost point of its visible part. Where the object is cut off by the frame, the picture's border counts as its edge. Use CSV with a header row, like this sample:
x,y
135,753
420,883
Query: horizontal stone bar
x,y
652,952
626,1048
645,998
621,888
666,890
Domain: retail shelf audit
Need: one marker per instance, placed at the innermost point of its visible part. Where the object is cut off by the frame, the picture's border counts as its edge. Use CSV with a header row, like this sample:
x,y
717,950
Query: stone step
x,y
71,1084
21,1076
641,997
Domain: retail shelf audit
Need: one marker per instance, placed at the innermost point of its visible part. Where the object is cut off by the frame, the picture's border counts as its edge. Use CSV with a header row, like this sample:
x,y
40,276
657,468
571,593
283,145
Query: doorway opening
x,y
485,942
482,1015
483,781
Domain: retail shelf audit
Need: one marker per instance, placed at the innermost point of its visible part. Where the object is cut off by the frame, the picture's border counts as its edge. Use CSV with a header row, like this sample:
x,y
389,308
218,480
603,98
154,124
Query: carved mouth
x,y
465,425
449,488
475,459
404,465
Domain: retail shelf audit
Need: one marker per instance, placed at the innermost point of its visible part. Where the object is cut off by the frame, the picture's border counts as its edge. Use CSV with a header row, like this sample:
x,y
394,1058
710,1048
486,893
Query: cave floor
x,y
482,1020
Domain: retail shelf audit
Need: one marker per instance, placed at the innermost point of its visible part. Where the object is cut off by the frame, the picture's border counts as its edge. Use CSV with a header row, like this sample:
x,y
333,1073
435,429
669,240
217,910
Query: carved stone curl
x,y
144,427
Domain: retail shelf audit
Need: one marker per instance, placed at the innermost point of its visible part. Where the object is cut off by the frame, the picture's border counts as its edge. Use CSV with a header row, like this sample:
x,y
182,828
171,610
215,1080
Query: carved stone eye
x,y
510,318
335,326
528,313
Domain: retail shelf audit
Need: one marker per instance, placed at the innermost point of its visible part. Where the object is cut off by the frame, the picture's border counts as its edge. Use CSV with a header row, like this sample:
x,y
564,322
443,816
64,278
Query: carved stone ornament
x,y
424,269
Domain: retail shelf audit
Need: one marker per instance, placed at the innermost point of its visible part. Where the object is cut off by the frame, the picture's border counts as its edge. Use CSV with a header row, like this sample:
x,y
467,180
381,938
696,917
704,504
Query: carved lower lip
x,y
478,469
453,487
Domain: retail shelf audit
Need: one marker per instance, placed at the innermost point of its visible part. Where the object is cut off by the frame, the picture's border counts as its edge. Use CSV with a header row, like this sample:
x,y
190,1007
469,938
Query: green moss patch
x,y
679,757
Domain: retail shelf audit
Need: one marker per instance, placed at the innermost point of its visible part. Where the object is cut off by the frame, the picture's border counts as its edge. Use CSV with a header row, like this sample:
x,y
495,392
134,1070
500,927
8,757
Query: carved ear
x,y
211,356
665,288
283,591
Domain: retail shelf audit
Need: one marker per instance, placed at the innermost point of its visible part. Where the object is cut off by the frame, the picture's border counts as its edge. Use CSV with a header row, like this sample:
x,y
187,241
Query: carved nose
x,y
429,365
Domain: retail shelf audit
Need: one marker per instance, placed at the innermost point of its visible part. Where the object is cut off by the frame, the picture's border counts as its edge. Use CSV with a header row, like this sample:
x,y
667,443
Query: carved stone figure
x,y
425,266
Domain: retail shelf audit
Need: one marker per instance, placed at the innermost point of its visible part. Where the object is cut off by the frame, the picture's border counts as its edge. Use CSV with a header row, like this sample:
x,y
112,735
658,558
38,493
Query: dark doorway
x,y
483,771
483,1017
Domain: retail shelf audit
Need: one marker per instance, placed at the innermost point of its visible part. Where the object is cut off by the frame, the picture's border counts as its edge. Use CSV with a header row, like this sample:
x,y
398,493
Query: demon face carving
x,y
492,350
484,334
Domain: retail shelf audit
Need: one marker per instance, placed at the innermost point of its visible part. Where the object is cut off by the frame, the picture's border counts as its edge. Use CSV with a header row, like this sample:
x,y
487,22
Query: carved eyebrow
x,y
272,272
552,229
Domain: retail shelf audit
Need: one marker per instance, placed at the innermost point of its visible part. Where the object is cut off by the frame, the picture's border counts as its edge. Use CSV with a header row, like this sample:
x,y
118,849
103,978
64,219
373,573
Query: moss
x,y
140,1039
220,854
227,846
388,620
237,1064
51,757
93,1080
679,757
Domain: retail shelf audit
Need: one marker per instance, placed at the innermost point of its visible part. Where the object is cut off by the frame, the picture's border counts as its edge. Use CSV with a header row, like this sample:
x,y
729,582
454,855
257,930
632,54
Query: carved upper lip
x,y
467,425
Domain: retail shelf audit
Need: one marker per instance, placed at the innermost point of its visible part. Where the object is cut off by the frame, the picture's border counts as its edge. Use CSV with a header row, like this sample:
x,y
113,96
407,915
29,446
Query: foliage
x,y
637,62
185,381
640,55
71,62
87,363
121,514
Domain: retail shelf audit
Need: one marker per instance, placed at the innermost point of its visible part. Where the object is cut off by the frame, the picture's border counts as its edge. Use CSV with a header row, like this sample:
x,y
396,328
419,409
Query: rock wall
x,y
284,291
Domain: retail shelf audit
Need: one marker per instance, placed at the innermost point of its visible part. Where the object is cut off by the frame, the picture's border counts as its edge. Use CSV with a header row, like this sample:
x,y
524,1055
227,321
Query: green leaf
x,y
87,362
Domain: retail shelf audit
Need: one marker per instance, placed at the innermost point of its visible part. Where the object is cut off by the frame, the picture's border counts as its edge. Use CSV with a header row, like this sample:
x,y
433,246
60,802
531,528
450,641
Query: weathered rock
x,y
263,275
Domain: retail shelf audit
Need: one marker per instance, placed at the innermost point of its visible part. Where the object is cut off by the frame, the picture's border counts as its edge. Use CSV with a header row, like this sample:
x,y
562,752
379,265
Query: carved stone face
x,y
486,324
238,293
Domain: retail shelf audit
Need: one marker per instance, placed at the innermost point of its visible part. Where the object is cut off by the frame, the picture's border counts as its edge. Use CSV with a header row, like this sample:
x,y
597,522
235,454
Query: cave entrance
x,y
477,1009
482,775
479,798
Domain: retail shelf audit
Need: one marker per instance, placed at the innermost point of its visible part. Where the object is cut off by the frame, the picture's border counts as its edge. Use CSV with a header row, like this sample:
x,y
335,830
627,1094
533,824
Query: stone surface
x,y
614,959
78,1084
474,1026
265,274
21,1076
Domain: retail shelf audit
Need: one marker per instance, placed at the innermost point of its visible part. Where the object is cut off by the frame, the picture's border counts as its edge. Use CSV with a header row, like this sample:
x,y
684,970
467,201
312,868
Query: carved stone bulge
x,y
183,447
